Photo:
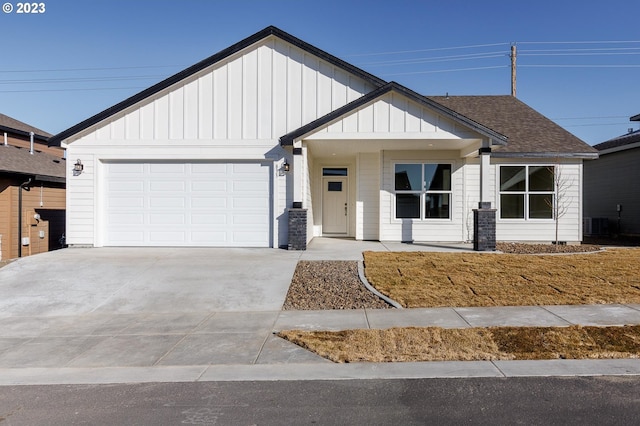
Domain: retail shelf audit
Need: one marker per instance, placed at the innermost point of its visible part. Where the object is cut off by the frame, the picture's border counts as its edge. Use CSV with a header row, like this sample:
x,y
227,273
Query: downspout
x,y
6,142
31,134
26,187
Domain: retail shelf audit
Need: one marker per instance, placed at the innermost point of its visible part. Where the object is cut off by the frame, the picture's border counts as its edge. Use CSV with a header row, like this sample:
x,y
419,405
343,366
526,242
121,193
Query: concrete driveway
x,y
151,280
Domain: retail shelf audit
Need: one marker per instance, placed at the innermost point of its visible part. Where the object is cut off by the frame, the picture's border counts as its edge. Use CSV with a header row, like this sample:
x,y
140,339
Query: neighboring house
x,y
612,194
272,141
32,191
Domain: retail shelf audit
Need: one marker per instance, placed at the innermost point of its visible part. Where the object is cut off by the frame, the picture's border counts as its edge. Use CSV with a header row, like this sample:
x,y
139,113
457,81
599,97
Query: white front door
x,y
334,205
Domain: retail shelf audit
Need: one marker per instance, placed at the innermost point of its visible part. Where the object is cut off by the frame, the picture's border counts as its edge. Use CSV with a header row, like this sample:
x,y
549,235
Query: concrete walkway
x,y
146,344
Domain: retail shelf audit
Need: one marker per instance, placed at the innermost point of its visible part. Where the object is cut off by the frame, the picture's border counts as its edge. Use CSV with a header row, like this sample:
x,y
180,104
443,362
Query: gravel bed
x,y
318,285
522,248
329,285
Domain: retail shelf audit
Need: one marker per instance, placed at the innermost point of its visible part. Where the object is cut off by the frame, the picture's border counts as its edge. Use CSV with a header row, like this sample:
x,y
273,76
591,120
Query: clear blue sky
x,y
80,57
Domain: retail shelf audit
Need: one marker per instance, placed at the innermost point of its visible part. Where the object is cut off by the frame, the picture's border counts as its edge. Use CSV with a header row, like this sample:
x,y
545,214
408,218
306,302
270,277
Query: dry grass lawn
x,y
425,279
495,343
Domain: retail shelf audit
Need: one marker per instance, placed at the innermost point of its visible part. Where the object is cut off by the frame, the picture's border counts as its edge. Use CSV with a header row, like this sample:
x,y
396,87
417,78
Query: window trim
x,y
423,192
526,193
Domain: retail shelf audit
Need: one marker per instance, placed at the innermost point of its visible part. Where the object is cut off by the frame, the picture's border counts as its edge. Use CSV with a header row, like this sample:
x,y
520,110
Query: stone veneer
x,y
484,227
297,229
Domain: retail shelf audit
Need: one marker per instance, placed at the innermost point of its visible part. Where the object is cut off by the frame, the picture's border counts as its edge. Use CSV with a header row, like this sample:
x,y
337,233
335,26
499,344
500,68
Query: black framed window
x,y
422,191
527,192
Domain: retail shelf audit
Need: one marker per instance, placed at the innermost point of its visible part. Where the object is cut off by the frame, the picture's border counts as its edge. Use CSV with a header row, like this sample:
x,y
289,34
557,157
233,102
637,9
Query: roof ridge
x,y
211,60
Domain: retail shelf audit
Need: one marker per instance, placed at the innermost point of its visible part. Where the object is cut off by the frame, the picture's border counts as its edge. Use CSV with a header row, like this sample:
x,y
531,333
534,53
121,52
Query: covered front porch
x,y
392,166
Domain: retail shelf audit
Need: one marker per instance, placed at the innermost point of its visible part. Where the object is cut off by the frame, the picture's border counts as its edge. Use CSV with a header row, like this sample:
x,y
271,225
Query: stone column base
x,y
484,228
297,229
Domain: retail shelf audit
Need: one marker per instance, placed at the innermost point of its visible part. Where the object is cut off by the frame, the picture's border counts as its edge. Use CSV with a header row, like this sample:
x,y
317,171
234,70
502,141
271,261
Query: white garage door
x,y
187,204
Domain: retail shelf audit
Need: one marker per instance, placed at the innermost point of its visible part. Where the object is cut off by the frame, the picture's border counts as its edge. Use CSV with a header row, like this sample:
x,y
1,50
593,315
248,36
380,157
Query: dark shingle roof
x,y
8,124
390,87
18,160
528,131
620,141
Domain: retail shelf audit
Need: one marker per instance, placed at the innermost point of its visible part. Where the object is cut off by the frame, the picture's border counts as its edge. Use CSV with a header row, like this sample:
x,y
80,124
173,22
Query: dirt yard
x,y
411,344
423,280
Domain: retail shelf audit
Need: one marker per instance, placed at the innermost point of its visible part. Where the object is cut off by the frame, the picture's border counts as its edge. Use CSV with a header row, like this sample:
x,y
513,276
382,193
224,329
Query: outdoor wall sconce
x,y
286,166
77,168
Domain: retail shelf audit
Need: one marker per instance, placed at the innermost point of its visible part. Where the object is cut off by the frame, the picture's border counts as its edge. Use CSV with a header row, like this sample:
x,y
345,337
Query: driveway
x,y
78,281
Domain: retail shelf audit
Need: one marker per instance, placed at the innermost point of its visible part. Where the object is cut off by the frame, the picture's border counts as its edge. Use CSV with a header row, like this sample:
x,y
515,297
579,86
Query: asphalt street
x,y
532,401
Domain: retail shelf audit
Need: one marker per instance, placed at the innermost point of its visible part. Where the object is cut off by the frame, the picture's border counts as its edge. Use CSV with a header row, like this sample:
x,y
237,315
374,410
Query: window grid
x,y
543,200
405,198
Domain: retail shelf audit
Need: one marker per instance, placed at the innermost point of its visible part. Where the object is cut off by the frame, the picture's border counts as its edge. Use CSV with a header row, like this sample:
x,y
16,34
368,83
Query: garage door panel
x,y
168,238
188,204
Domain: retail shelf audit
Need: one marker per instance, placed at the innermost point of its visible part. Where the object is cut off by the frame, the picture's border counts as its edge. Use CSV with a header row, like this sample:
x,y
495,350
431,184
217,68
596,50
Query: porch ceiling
x,y
350,147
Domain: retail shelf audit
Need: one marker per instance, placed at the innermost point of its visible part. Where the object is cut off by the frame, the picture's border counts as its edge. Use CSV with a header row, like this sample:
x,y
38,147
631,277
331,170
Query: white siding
x,y
543,230
235,110
368,196
392,229
394,114
265,91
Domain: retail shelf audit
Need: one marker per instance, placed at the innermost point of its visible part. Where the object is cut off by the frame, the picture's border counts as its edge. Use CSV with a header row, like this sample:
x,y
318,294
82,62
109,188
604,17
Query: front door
x,y
334,205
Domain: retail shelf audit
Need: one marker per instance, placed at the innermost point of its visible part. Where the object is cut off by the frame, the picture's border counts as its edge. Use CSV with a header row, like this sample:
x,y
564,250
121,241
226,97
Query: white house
x,y
272,141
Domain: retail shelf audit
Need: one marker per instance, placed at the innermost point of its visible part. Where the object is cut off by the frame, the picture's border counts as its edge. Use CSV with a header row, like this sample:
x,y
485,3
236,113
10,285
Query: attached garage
x,y
189,204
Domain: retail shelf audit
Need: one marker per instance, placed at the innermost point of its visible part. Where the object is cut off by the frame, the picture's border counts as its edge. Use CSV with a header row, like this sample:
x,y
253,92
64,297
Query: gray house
x,y
612,193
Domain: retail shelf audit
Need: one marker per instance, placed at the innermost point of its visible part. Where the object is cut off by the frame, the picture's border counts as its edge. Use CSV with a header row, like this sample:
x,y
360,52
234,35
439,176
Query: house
x,y
32,191
272,142
611,199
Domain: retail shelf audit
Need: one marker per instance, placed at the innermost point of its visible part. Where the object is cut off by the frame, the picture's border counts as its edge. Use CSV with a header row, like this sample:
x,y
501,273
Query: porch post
x,y
297,176
484,217
297,215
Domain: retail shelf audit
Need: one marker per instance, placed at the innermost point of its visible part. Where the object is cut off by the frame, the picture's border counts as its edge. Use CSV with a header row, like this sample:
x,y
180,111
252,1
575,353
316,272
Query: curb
x,y
373,290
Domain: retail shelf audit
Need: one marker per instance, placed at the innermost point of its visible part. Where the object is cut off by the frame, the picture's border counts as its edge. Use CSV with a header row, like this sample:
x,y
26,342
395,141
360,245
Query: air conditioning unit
x,y
594,226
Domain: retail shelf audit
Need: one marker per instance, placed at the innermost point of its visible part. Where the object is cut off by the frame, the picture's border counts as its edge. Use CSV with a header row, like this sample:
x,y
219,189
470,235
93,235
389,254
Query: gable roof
x,y
529,133
223,54
11,125
371,96
16,160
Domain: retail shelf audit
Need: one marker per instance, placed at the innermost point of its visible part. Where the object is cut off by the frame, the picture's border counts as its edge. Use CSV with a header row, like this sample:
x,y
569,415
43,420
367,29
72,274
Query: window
x,y
423,191
334,171
527,192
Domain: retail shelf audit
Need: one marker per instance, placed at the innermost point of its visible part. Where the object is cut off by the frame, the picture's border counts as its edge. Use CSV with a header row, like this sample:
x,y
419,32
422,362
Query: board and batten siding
x,y
263,92
394,114
235,109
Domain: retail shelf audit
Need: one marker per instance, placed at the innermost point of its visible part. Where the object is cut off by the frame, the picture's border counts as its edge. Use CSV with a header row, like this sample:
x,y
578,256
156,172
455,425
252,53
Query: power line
x,y
449,70
399,52
81,79
89,69
438,59
580,66
580,42
72,90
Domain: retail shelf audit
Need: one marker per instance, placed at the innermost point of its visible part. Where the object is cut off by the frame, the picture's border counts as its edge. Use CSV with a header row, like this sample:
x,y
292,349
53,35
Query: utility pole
x,y
513,70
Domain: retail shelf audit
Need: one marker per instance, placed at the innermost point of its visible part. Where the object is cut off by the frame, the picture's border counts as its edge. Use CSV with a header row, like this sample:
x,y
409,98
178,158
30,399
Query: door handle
x,y
345,209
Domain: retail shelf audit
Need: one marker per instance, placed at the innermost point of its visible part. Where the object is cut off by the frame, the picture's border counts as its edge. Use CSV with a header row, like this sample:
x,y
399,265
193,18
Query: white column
x,y
297,175
485,164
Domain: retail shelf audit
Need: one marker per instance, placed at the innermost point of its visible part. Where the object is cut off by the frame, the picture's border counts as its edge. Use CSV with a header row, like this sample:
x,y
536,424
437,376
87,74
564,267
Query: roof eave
x,y
56,140
24,133
566,155
289,138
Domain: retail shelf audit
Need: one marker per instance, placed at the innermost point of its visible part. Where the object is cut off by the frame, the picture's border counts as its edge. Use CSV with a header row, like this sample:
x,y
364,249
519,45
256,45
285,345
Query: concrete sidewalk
x,y
126,315
224,346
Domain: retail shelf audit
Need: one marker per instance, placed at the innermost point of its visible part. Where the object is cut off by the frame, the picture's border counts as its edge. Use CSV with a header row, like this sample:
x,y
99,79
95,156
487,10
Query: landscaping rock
x,y
329,285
